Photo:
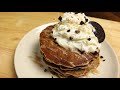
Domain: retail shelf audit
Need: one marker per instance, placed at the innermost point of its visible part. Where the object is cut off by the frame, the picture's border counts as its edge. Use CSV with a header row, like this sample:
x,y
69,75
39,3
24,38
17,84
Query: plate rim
x,y
48,24
18,45
118,65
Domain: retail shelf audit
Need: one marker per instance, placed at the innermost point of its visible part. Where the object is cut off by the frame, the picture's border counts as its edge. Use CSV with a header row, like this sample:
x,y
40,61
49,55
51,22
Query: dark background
x,y
115,16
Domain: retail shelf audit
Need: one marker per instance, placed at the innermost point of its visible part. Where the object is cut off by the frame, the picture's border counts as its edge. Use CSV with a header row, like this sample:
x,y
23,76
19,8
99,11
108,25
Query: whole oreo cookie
x,y
99,33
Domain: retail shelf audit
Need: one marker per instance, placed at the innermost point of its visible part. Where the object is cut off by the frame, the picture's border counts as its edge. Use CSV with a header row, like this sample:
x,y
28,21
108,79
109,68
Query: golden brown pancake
x,y
60,56
73,71
64,62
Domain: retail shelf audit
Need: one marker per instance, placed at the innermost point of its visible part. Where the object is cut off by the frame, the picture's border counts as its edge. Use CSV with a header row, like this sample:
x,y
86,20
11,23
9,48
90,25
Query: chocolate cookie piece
x,y
99,33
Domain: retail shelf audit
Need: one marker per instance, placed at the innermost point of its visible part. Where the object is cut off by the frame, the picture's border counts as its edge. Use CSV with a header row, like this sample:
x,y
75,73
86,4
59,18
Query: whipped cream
x,y
75,33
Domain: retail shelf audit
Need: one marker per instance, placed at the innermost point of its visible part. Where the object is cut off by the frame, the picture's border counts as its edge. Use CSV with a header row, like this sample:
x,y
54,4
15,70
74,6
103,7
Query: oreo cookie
x,y
99,33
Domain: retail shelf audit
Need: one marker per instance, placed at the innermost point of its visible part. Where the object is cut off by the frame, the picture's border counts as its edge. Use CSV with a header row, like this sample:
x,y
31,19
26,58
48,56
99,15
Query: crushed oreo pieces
x,y
51,31
81,51
95,53
77,31
60,18
89,39
86,20
101,56
81,23
45,70
71,38
68,30
55,38
76,12
103,60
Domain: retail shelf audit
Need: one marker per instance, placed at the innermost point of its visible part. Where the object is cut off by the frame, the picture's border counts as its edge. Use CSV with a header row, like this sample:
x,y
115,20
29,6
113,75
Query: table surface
x,y
14,25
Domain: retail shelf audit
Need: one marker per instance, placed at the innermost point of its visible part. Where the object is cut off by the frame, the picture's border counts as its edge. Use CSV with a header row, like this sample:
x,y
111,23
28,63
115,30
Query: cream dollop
x,y
75,33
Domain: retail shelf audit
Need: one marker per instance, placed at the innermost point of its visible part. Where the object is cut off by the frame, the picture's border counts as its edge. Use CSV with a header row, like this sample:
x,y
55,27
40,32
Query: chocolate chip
x,y
101,56
71,38
86,20
68,30
95,53
76,12
77,31
45,70
60,18
103,60
89,39
92,60
81,51
52,76
81,23
55,38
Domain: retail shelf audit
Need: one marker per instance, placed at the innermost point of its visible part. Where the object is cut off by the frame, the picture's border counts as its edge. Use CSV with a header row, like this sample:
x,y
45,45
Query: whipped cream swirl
x,y
75,33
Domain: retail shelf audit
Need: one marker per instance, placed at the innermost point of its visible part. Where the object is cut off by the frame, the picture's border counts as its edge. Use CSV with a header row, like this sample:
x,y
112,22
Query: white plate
x,y
27,67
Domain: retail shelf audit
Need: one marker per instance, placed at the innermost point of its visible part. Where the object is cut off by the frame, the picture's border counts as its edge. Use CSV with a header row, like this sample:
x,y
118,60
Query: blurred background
x,y
115,16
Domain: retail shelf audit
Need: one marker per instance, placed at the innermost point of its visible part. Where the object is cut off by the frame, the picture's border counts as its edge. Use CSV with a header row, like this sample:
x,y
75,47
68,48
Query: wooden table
x,y
14,25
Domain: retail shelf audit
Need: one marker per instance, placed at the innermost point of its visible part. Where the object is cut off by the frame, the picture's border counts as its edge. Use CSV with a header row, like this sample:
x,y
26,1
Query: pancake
x,y
93,64
67,72
58,55
73,73
62,62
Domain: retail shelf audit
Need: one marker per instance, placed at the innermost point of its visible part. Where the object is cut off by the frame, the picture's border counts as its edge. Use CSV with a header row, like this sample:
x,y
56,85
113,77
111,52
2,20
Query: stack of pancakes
x,y
65,63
